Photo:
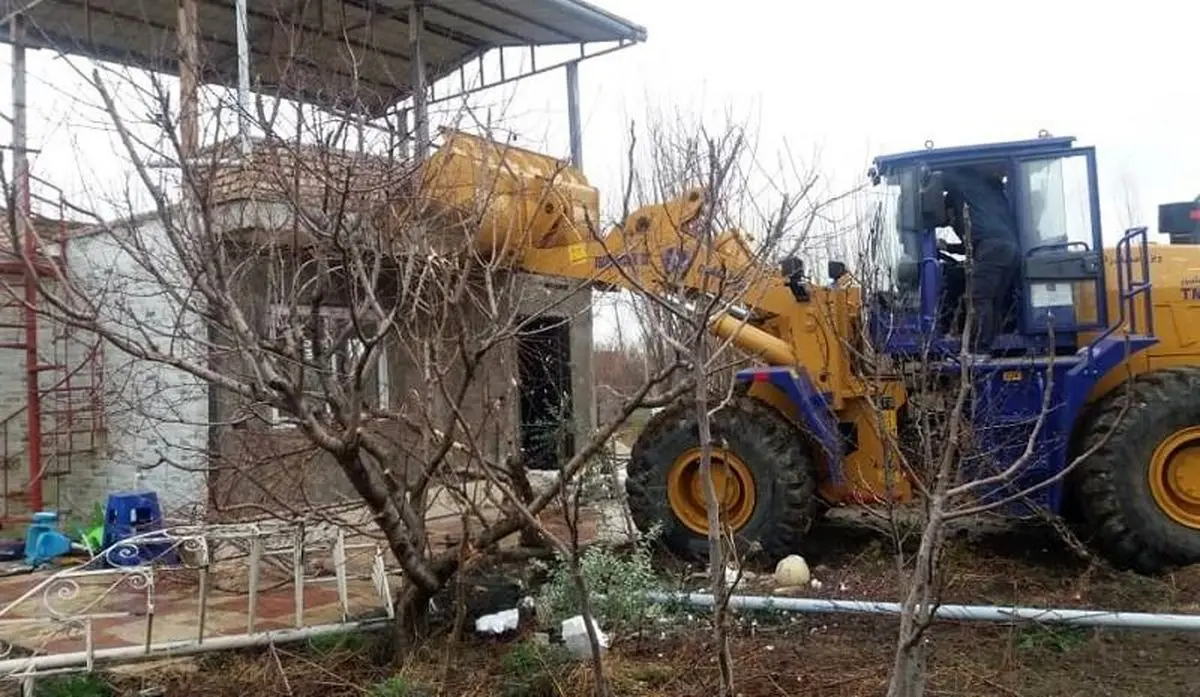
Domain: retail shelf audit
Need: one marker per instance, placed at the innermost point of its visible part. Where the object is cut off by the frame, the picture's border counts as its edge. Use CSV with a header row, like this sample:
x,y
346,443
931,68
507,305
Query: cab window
x,y
1057,202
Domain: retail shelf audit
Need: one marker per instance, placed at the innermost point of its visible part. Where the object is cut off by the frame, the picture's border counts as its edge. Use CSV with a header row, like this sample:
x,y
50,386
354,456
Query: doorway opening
x,y
544,380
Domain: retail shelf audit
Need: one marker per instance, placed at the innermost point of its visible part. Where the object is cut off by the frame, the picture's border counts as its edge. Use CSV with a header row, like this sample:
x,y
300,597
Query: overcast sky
x,y
859,78
843,80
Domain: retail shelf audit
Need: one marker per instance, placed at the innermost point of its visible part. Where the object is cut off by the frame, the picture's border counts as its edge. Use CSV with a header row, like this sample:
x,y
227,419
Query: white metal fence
x,y
52,626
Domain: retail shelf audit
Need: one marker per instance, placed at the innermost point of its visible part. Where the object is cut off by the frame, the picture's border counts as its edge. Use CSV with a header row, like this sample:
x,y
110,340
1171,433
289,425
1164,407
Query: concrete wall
x,y
157,415
276,467
563,299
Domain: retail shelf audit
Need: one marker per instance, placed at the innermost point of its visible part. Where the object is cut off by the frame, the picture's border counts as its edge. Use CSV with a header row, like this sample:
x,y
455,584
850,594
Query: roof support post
x,y
420,108
189,80
243,67
27,241
576,129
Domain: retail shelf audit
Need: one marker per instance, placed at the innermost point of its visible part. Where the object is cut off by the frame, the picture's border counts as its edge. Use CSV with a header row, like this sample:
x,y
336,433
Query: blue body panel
x,y
1009,396
816,414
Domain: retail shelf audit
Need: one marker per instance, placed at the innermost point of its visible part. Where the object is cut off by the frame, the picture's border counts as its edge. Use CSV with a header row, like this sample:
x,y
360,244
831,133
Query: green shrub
x,y
616,584
1060,639
74,686
534,670
398,686
337,642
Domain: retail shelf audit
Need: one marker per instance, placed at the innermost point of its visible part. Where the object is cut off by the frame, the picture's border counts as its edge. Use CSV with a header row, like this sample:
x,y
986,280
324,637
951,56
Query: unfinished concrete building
x,y
161,428
540,381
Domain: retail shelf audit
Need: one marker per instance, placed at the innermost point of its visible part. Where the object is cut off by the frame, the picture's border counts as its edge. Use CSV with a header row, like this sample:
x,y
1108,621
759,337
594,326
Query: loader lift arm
x,y
540,216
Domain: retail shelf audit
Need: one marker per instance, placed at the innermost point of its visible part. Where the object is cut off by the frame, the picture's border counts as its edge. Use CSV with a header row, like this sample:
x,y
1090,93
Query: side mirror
x,y
837,269
933,201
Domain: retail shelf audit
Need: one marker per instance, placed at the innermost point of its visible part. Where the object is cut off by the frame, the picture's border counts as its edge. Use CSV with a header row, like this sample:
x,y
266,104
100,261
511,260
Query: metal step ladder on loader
x,y
1039,398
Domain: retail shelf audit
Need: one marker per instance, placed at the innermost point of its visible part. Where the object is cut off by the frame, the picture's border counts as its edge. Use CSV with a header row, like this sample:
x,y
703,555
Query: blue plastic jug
x,y
43,541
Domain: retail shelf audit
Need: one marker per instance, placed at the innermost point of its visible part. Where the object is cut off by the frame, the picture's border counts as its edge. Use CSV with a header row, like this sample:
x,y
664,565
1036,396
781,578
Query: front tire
x,y
769,479
1139,492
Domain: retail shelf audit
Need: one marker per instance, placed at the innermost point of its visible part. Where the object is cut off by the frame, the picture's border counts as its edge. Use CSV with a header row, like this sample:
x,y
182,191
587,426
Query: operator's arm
x,y
952,247
955,184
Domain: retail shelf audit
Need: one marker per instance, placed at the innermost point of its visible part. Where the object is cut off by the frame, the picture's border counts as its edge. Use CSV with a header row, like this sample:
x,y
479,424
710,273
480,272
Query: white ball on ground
x,y
792,571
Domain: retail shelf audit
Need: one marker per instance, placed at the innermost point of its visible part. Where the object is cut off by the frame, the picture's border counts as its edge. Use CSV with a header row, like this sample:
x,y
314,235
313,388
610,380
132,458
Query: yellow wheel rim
x,y
731,478
1175,476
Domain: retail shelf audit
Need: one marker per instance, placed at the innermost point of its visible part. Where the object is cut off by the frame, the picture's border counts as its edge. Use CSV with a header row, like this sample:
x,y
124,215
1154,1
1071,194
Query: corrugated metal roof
x,y
345,54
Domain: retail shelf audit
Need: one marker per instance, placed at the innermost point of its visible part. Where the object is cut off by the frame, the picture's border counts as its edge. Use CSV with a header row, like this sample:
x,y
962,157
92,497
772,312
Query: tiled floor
x,y
175,613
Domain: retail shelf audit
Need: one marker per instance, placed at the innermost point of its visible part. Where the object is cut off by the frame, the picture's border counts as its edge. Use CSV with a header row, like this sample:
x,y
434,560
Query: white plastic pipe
x,y
21,667
966,613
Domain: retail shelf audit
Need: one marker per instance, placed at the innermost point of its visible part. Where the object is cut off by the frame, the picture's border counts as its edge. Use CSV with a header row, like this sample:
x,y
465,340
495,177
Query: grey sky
x,y
860,78
844,81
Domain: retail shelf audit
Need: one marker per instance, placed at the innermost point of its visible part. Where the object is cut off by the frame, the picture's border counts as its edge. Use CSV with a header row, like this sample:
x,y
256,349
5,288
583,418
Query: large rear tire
x,y
765,476
1139,493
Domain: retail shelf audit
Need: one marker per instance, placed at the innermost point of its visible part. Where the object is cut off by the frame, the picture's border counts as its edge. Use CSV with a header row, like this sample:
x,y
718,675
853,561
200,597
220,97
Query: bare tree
x,y
342,308
1130,211
942,449
695,301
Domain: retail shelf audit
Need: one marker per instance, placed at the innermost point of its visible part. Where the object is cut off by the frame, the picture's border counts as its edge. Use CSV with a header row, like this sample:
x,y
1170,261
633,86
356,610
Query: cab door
x,y
1058,217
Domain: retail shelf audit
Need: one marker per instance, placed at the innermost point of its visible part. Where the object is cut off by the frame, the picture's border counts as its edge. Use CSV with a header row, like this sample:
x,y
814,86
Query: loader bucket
x,y
505,199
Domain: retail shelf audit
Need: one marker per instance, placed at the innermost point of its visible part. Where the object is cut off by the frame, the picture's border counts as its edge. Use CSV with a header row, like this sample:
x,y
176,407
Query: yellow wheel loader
x,y
1087,329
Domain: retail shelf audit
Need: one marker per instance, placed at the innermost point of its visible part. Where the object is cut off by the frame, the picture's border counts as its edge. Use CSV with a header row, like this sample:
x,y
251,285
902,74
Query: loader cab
x,y
919,282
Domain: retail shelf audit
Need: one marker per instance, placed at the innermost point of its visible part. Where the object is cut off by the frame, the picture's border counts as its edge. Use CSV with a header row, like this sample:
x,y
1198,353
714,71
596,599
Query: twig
x,y
999,686
287,685
339,679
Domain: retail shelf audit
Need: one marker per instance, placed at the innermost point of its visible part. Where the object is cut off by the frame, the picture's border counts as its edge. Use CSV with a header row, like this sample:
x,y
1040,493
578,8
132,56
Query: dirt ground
x,y
823,655
849,657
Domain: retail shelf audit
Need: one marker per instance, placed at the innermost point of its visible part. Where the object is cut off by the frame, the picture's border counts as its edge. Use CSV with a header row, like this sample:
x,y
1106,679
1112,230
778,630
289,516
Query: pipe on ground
x,y
19,667
965,613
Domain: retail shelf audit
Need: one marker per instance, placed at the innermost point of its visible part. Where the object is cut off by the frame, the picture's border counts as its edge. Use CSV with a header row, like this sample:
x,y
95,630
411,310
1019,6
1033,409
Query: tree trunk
x,y
603,689
411,624
716,551
908,670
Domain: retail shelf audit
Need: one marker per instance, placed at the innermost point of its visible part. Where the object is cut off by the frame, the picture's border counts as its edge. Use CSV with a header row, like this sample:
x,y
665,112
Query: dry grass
x,y
817,655
814,656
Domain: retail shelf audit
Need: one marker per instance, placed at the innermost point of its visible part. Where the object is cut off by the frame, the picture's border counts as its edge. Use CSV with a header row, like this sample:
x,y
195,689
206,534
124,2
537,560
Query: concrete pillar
x,y
420,108
189,79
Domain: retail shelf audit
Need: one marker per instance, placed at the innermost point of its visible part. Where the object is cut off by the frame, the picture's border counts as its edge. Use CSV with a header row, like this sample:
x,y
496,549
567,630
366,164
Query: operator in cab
x,y
995,251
